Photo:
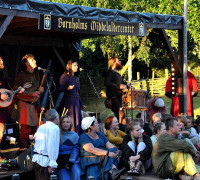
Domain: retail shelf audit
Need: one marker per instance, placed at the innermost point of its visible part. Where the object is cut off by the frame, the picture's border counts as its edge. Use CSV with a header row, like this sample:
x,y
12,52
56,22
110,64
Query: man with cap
x,y
155,105
46,149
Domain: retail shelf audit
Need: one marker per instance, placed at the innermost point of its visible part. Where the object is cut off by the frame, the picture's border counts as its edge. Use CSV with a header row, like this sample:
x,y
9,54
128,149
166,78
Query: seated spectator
x,y
172,156
136,150
184,134
68,152
159,129
156,118
193,136
98,155
165,116
114,135
102,128
183,123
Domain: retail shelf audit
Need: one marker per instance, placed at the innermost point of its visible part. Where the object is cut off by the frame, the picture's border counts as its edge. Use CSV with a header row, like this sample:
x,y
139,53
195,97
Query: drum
x,y
135,99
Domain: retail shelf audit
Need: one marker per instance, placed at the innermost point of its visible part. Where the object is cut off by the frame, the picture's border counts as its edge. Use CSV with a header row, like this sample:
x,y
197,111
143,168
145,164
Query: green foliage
x,y
152,53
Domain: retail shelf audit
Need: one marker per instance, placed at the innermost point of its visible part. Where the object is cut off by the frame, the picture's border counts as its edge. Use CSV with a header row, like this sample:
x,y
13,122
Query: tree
x,y
149,52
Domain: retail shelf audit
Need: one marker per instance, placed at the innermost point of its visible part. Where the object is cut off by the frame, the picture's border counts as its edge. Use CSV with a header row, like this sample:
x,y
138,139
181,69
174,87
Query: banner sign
x,y
88,26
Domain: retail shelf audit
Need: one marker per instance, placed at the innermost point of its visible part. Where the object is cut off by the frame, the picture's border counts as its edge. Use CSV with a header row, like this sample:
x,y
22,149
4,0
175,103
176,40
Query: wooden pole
x,y
129,59
138,75
153,76
185,56
166,74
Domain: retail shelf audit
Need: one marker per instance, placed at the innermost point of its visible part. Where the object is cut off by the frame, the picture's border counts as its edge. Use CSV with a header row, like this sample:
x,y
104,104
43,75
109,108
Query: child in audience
x,y
193,136
184,134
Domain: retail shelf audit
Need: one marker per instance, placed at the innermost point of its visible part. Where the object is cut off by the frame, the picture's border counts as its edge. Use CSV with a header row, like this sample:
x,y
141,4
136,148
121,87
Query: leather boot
x,y
115,173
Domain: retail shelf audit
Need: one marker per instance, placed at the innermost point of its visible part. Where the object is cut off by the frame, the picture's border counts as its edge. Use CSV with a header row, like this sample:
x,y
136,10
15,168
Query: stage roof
x,y
22,22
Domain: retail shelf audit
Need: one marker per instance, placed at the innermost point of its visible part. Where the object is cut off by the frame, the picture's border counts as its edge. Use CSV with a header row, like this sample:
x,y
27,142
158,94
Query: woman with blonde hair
x,y
136,150
156,118
68,159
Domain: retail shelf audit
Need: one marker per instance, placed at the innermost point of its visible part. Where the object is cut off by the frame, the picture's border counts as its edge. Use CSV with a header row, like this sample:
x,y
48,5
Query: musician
x,y
69,84
4,111
27,107
114,84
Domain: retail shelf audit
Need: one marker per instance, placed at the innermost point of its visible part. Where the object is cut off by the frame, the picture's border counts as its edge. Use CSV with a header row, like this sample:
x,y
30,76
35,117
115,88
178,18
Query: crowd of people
x,y
109,153
73,147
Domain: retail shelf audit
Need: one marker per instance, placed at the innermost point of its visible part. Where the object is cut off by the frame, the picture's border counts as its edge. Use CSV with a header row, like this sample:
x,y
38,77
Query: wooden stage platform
x,y
25,170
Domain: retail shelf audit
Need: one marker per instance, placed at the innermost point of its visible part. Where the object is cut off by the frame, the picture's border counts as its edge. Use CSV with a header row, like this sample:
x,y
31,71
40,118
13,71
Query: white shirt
x,y
153,140
193,133
47,139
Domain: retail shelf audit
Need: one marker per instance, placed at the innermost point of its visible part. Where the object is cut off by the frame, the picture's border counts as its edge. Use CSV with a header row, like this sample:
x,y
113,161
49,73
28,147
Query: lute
x,y
10,94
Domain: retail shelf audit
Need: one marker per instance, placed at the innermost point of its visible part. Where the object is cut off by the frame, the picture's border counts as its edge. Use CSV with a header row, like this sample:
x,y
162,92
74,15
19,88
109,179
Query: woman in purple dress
x,y
69,84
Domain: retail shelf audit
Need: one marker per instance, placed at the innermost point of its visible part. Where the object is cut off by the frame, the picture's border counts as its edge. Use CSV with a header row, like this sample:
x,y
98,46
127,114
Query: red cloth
x,y
192,85
152,109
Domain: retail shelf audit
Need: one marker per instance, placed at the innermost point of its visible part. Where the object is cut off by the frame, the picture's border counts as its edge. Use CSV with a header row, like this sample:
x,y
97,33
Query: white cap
x,y
86,122
159,103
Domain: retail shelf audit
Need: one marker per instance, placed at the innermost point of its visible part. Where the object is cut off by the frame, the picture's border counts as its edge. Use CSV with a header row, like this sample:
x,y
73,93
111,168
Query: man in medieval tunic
x,y
114,85
27,104
192,91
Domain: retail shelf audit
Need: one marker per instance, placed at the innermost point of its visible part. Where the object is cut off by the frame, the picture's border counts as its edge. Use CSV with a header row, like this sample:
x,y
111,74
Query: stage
x,y
20,163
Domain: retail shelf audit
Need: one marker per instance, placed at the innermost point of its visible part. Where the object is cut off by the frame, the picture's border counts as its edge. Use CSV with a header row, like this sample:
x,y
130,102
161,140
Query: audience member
x,y
102,128
165,116
155,105
68,159
183,123
136,150
46,147
193,136
98,155
114,135
156,118
172,156
159,129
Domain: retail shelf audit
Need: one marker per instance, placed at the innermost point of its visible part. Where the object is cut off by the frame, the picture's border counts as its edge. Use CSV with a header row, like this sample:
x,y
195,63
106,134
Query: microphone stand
x,y
97,94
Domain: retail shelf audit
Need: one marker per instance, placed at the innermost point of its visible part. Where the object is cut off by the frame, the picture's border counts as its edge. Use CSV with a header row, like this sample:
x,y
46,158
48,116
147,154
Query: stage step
x,y
150,175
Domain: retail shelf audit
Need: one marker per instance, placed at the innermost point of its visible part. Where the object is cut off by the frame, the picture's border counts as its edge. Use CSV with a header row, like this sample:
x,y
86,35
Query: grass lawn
x,y
93,104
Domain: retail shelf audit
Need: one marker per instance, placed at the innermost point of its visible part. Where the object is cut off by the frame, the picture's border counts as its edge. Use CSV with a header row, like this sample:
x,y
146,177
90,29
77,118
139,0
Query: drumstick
x,y
66,111
63,112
